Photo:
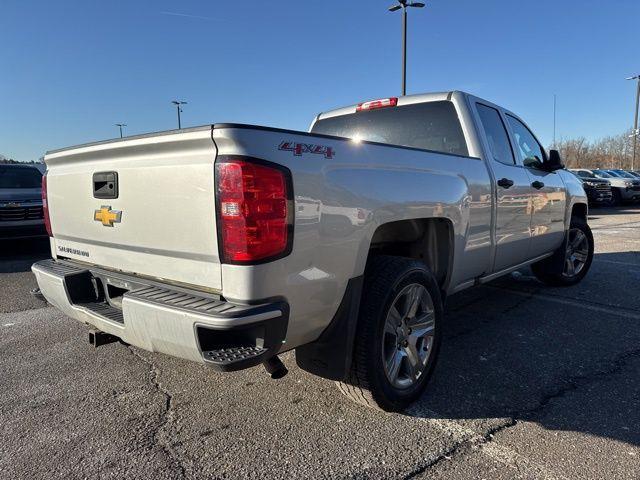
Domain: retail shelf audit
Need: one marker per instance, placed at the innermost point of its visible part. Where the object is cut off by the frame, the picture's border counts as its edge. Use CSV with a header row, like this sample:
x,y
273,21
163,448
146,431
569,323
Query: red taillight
x,y
45,205
374,104
254,201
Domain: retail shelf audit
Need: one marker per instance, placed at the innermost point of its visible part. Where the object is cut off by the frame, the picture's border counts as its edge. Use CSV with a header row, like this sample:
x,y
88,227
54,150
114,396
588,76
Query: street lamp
x,y
178,104
120,125
402,4
635,121
554,120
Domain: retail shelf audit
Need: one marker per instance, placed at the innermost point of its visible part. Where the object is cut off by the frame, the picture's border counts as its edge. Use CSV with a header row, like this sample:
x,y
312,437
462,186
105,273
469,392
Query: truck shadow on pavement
x,y
18,255
567,359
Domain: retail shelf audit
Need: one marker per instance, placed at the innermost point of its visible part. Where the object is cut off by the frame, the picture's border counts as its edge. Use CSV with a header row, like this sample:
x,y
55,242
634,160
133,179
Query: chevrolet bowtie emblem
x,y
107,216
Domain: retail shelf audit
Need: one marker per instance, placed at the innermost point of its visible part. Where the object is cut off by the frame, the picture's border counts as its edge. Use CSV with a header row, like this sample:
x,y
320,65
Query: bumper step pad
x,y
194,302
226,356
104,310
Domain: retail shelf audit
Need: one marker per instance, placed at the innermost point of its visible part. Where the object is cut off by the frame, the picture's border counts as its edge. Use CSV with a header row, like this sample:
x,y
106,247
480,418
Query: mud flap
x,y
555,263
330,356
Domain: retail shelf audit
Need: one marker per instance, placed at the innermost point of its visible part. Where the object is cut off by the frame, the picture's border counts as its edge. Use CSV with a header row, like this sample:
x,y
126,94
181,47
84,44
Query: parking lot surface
x,y
532,382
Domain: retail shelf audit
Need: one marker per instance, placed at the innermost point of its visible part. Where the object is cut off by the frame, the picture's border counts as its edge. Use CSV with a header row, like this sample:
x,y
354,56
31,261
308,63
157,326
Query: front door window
x,y
530,151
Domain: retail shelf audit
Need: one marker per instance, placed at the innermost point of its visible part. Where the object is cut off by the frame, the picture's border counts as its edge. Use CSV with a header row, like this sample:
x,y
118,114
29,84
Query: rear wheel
x,y
576,257
398,334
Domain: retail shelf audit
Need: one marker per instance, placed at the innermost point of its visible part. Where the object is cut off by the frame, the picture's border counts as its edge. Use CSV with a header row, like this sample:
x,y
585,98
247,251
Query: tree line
x,y
4,159
609,152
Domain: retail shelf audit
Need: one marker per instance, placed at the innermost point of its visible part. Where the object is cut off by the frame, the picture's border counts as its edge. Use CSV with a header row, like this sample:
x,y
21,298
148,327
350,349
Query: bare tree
x,y
608,152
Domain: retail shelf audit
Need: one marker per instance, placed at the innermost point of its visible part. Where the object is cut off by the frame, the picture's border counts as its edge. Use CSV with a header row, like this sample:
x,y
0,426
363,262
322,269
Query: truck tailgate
x,y
160,224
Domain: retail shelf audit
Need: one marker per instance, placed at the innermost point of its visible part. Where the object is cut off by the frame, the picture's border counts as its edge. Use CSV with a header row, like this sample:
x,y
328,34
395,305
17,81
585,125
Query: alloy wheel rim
x,y
576,254
407,339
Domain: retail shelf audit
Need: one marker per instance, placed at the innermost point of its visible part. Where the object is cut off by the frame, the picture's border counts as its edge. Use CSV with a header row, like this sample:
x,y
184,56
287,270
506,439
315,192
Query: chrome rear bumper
x,y
161,318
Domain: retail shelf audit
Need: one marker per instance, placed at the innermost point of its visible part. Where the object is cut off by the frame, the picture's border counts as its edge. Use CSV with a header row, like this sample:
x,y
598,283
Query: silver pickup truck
x,y
229,244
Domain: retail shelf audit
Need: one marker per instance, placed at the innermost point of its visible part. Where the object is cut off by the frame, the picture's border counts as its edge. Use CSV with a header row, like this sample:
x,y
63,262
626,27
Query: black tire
x,y
367,382
553,273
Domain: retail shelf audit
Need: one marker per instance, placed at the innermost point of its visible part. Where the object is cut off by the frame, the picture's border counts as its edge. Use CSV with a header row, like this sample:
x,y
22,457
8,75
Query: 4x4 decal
x,y
300,148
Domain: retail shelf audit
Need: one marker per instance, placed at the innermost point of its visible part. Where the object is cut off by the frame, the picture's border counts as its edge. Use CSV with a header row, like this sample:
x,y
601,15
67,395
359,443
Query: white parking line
x,y
608,232
626,264
612,225
490,448
619,311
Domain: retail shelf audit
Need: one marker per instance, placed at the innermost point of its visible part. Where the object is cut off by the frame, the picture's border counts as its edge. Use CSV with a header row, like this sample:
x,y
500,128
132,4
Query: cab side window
x,y
496,134
531,153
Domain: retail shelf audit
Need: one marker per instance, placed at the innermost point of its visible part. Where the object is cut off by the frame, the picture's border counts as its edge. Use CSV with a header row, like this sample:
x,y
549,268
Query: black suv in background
x,y
598,190
21,202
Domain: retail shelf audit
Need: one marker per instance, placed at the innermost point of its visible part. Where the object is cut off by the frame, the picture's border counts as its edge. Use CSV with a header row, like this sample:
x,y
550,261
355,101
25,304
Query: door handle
x,y
505,183
537,185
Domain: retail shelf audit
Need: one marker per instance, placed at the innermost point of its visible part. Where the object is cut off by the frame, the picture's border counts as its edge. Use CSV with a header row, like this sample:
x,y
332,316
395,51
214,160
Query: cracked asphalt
x,y
532,383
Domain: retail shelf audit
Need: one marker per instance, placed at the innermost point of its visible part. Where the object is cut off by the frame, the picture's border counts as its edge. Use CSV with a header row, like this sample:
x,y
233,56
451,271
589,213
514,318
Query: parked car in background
x,y
635,186
634,173
625,174
623,189
617,172
598,189
21,202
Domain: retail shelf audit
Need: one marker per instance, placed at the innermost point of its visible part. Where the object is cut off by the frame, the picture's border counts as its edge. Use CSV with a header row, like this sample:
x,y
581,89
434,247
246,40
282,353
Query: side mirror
x,y
554,162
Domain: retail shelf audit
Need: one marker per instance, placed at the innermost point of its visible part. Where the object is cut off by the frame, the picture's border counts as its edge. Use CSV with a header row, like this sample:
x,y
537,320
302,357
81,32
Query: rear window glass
x,y
430,126
20,177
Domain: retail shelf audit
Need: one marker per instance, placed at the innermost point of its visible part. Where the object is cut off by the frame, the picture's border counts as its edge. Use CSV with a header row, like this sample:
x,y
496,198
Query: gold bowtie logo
x,y
107,216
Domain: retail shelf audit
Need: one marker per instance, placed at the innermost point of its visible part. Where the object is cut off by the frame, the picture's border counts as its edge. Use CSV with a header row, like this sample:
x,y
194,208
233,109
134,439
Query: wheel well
x,y
579,210
426,239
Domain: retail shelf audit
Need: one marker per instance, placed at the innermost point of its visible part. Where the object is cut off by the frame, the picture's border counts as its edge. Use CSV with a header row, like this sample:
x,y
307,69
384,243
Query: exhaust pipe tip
x,y
37,293
275,368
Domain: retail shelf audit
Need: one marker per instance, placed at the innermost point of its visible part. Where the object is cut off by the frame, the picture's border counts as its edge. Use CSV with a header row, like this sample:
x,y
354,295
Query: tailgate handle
x,y
105,185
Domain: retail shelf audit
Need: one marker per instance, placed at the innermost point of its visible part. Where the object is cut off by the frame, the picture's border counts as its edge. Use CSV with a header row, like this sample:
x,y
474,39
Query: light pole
x,y
178,104
635,121
554,120
402,4
120,125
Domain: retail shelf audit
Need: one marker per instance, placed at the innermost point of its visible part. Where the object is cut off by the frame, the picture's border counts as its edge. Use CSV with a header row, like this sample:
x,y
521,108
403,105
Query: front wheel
x,y
397,336
576,255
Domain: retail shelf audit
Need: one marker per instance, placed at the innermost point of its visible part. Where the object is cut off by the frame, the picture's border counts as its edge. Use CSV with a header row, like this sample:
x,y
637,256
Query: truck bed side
x,y
344,191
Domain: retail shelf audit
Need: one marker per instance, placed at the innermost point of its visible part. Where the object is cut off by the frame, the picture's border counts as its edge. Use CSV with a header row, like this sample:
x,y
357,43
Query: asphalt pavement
x,y
532,382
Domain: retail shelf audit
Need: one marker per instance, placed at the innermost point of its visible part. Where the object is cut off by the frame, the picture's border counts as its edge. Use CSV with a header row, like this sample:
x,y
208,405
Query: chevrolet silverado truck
x,y
230,244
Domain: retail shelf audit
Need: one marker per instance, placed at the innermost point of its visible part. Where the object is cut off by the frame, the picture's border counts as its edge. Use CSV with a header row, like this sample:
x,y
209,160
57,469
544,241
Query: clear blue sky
x,y
71,69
